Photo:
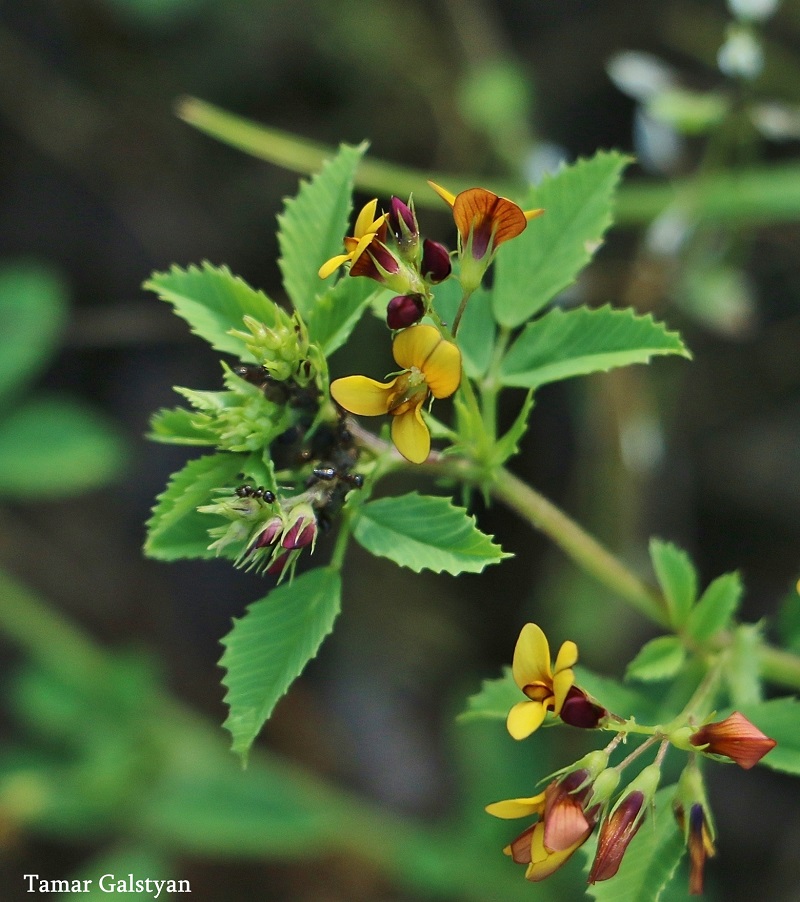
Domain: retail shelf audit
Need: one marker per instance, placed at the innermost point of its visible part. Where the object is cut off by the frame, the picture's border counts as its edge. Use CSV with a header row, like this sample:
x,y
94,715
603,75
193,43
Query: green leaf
x,y
549,254
742,671
33,310
716,607
213,301
779,718
336,312
508,445
177,426
494,699
658,659
175,529
650,860
313,225
54,447
562,344
425,532
269,647
788,622
677,578
143,861
476,332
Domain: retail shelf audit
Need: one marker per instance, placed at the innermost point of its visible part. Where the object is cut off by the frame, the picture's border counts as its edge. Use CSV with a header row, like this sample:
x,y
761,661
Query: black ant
x,y
328,473
247,491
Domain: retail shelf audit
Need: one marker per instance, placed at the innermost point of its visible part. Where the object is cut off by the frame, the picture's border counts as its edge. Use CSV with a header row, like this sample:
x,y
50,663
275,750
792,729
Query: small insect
x,y
328,473
247,491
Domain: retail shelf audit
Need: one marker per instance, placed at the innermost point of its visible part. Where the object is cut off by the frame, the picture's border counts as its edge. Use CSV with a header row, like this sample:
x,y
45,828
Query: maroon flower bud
x,y
376,262
579,710
404,311
270,534
735,738
278,565
615,835
402,221
301,533
436,266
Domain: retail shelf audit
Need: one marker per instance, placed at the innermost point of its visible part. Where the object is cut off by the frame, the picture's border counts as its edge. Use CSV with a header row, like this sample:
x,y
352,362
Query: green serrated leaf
x,y
213,301
716,607
562,344
476,332
549,254
658,659
175,529
508,445
313,225
677,578
336,312
742,671
33,310
53,447
178,426
650,860
270,645
425,532
779,718
494,699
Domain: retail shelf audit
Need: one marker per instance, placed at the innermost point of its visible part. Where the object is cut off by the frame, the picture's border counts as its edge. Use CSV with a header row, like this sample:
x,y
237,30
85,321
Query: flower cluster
x,y
581,796
388,248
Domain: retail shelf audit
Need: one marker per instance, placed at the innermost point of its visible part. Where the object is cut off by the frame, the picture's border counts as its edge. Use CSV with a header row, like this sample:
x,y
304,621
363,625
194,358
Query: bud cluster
x,y
282,347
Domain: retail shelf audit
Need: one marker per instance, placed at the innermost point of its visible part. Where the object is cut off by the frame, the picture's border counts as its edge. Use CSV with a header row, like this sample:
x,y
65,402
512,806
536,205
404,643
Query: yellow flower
x,y
545,687
431,366
367,229
484,220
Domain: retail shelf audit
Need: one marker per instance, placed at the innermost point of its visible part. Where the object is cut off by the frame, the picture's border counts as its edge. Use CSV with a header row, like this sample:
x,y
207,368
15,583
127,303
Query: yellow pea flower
x,y
367,229
431,366
546,687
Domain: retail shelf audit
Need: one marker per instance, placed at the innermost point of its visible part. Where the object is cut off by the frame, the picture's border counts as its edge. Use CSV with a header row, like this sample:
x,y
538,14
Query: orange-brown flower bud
x,y
735,738
699,842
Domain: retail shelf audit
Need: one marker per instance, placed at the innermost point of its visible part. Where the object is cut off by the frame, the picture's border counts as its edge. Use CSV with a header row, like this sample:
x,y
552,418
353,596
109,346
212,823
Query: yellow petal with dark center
x,y
410,434
524,718
562,682
443,369
443,193
366,218
567,656
531,657
512,808
413,346
362,396
332,265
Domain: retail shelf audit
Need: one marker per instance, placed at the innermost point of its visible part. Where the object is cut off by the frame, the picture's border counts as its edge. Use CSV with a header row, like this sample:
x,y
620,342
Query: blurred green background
x,y
105,653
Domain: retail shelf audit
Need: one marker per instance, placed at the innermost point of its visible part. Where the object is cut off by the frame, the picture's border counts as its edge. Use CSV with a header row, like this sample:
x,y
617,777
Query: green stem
x,y
780,667
461,308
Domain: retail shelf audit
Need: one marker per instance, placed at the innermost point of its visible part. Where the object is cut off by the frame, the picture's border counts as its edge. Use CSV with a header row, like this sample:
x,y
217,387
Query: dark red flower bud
x,y
404,311
615,835
579,711
436,266
735,738
402,215
270,534
300,534
375,262
278,565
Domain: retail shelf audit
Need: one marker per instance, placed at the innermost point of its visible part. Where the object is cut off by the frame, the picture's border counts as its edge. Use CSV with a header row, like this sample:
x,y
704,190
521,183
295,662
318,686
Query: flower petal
x,y
410,434
485,214
443,193
567,656
531,657
532,214
332,265
562,683
443,369
524,718
414,345
511,808
544,862
365,221
362,396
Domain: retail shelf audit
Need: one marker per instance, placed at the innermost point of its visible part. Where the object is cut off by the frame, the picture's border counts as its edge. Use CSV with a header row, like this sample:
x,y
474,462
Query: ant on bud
x,y
247,491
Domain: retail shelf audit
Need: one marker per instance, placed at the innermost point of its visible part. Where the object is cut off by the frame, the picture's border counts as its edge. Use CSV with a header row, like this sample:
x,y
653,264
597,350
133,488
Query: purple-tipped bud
x,y
579,710
402,221
278,565
436,266
404,311
269,536
301,533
